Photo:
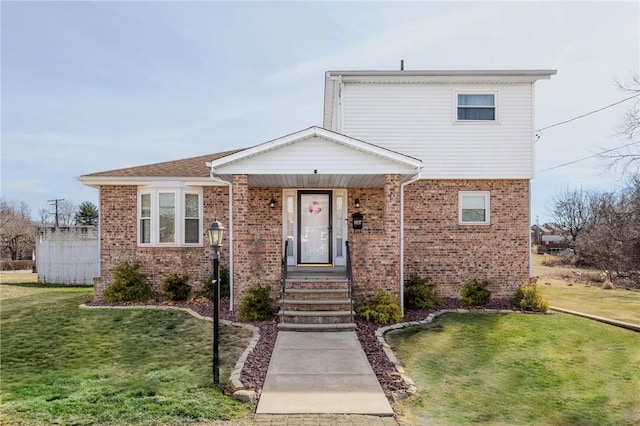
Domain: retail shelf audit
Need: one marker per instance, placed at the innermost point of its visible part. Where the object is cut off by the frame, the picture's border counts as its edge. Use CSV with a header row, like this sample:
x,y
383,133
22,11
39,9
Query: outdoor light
x,y
272,203
216,232
357,203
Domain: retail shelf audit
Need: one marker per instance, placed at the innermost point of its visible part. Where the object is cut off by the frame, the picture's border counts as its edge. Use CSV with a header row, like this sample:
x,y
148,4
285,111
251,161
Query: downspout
x,y
402,185
230,186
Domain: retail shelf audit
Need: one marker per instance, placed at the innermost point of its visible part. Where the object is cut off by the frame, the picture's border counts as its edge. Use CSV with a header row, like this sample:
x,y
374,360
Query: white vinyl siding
x,y
314,155
419,120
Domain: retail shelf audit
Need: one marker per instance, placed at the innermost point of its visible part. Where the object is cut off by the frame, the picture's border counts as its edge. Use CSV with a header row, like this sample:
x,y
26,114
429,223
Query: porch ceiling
x,y
314,180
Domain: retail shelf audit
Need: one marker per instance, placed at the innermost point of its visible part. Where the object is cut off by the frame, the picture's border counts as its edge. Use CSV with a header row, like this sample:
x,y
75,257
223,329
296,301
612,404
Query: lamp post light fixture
x,y
216,232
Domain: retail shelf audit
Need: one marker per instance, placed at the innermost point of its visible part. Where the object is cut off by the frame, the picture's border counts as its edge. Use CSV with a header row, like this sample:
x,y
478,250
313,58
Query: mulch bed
x,y
255,368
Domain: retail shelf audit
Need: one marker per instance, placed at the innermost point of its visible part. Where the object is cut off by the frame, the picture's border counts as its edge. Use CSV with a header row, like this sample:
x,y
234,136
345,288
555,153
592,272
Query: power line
x,y
589,113
591,156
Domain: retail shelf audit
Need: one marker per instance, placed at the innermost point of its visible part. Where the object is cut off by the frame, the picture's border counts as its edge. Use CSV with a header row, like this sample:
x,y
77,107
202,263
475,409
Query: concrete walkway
x,y
321,373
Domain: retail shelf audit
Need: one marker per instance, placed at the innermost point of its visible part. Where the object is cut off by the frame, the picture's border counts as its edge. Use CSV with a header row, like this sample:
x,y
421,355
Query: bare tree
x,y
17,232
572,210
44,216
611,239
627,157
66,212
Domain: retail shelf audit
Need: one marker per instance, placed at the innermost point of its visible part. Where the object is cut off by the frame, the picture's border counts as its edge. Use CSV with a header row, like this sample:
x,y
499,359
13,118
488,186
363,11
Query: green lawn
x,y
65,365
520,369
618,304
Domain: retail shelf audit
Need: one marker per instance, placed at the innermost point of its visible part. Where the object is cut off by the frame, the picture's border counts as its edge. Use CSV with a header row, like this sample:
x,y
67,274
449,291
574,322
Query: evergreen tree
x,y
87,214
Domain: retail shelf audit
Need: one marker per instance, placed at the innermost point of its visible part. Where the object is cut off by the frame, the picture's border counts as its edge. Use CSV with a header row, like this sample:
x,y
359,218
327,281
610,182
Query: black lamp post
x,y
216,232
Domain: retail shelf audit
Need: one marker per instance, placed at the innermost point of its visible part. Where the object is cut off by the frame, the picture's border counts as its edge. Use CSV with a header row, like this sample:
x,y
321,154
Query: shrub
x,y
129,285
175,287
207,288
17,265
382,309
529,298
475,293
257,304
420,293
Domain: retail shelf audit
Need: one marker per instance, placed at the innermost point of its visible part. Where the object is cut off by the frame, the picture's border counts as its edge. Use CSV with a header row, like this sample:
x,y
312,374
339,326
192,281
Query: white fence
x,y
67,254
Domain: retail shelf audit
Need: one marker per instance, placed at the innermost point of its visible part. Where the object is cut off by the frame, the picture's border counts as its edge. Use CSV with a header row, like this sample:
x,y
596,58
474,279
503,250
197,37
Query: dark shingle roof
x,y
187,167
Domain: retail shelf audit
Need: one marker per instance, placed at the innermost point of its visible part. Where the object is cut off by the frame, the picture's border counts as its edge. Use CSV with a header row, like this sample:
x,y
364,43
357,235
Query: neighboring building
x,y
551,238
438,164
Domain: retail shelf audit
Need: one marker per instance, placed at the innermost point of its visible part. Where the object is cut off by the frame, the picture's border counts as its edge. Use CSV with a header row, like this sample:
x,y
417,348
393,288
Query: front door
x,y
314,227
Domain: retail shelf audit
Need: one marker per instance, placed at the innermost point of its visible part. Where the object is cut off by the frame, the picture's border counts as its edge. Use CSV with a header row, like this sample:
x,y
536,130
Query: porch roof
x,y
315,158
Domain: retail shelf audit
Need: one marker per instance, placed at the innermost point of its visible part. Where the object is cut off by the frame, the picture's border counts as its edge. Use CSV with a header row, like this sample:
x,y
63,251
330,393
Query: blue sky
x,y
92,86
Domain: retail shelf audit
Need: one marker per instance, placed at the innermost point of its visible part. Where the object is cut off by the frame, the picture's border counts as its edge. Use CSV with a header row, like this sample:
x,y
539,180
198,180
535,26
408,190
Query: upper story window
x,y
169,216
476,107
473,207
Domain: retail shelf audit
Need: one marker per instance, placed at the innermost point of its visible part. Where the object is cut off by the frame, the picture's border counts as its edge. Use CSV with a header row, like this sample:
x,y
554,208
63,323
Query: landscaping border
x,y
235,386
609,321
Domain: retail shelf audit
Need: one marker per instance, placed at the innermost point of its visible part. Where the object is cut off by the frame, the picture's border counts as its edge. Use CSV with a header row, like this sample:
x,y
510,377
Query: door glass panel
x,y
315,237
290,229
339,226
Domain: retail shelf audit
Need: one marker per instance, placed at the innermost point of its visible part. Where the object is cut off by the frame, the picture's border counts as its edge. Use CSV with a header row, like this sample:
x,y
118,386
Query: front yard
x,y
66,365
520,369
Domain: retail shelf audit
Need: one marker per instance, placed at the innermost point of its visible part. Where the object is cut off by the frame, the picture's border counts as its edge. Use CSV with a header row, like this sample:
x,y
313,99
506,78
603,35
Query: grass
x,y
566,289
621,305
520,369
66,365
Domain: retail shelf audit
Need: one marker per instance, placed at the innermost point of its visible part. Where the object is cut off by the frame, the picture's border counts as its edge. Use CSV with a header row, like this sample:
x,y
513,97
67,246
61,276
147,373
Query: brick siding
x,y
435,244
118,231
438,247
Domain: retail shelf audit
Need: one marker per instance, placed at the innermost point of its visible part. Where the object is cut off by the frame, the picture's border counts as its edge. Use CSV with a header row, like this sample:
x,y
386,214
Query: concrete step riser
x,y
312,285
292,306
294,319
339,295
317,327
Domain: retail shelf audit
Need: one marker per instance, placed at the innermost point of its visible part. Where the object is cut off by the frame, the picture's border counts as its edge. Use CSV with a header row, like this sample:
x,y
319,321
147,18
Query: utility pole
x,y
55,202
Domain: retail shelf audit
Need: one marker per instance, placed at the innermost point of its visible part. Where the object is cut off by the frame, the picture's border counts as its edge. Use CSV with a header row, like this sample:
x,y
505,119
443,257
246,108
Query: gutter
x,y
415,177
230,186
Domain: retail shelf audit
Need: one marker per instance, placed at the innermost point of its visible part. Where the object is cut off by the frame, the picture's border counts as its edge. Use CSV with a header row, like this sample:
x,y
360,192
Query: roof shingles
x,y
187,167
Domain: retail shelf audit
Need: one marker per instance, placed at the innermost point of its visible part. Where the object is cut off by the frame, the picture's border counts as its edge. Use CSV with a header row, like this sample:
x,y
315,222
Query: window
x,y
169,217
191,218
478,107
473,207
145,218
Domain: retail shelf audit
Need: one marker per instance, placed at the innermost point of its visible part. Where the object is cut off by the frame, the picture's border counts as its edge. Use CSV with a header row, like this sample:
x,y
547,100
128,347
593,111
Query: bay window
x,y
170,217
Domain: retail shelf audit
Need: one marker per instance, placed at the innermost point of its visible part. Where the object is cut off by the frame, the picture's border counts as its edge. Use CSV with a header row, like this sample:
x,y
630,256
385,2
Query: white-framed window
x,y
476,106
169,217
473,207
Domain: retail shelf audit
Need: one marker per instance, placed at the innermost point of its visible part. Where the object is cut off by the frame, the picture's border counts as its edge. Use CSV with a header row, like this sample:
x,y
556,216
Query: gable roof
x,y
315,157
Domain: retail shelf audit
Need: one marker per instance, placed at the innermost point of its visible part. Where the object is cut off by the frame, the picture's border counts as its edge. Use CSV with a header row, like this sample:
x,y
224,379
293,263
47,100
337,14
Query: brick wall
x,y
257,238
375,250
438,247
118,231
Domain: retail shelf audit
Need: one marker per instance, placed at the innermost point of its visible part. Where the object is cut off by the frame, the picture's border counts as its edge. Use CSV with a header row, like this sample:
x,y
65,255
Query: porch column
x,y
240,237
392,232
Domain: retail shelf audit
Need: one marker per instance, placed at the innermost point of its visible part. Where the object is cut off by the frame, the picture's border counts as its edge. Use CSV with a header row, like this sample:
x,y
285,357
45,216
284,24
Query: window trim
x,y
487,207
496,109
179,194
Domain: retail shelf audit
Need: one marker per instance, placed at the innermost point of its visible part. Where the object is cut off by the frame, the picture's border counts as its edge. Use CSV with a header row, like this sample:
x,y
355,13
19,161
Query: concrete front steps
x,y
316,305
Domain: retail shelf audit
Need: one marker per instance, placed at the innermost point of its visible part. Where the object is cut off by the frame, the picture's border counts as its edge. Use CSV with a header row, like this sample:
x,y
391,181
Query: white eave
x,y
315,157
98,181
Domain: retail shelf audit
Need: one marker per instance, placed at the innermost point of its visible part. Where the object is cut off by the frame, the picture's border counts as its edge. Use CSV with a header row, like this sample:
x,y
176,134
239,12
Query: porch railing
x,y
283,275
349,276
